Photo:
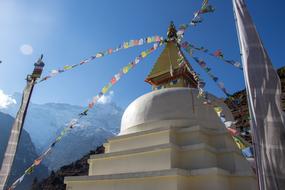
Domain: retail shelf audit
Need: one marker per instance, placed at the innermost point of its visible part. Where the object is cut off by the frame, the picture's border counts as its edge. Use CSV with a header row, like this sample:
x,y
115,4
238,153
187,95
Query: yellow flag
x,y
218,109
67,67
58,138
126,45
125,69
105,89
239,143
144,54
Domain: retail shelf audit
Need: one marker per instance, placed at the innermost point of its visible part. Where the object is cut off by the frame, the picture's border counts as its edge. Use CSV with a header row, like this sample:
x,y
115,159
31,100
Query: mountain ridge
x,y
44,122
25,155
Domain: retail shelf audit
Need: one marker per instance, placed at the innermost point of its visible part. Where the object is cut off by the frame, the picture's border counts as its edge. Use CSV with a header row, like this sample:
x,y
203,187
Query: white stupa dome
x,y
170,107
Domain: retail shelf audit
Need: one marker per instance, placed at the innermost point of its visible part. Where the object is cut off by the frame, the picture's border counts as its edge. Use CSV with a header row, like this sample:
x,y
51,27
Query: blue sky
x,y
68,31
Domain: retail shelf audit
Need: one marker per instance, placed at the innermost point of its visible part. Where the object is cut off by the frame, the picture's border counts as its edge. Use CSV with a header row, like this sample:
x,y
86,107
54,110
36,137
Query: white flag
x,y
263,90
15,135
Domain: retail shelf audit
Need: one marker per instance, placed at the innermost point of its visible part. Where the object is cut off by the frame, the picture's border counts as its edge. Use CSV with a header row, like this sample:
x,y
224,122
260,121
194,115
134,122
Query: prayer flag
x,y
239,142
67,67
125,69
143,54
232,131
218,53
157,38
105,89
98,55
113,80
15,134
21,178
263,91
30,170
247,152
90,105
126,45
37,162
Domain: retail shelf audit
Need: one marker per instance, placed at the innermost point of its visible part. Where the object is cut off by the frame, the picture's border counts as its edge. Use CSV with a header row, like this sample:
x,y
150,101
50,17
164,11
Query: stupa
x,y
169,139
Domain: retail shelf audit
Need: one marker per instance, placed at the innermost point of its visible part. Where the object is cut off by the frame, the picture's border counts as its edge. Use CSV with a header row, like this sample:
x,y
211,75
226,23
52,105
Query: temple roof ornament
x,y
171,69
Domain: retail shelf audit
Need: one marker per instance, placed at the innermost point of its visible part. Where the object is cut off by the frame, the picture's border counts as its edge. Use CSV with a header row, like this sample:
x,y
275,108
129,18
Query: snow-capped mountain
x,y
44,122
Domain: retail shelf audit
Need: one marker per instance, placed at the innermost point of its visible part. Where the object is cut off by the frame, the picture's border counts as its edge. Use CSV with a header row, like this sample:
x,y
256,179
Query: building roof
x,y
167,59
171,63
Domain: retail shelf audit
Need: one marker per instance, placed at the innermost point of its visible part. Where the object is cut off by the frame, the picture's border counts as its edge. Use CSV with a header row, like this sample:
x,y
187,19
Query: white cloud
x,y
6,100
26,49
105,99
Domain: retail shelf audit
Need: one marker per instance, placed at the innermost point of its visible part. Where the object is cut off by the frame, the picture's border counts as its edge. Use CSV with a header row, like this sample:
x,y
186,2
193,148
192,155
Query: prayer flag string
x,y
218,109
118,76
217,54
207,69
241,144
75,122
124,45
205,8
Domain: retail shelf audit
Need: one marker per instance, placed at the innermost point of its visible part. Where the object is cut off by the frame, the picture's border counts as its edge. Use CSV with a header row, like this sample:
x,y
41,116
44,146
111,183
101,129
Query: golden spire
x,y
168,71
